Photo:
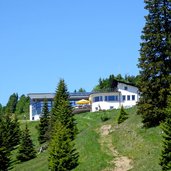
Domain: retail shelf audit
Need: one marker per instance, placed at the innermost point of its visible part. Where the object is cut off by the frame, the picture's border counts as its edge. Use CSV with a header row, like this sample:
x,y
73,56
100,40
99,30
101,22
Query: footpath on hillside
x,y
119,163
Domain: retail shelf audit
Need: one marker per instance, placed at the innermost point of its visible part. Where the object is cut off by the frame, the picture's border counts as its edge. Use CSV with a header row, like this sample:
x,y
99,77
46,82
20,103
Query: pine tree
x,y
62,109
122,116
155,62
22,105
26,148
11,131
44,124
5,161
165,160
12,102
62,152
63,155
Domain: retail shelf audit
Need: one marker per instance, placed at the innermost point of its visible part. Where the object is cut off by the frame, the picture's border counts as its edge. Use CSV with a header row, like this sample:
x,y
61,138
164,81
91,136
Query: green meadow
x,y
100,149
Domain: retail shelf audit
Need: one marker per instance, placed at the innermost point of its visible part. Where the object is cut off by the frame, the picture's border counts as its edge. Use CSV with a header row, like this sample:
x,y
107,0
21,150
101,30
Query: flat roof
x,y
75,95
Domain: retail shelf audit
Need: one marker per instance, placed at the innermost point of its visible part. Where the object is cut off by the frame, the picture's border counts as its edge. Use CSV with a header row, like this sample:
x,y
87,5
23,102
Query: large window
x,y
98,99
111,98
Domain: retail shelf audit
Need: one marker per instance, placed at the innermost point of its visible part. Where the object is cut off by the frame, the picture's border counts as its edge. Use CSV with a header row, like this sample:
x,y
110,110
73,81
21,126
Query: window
x,y
98,98
111,107
111,98
123,98
128,97
133,97
125,88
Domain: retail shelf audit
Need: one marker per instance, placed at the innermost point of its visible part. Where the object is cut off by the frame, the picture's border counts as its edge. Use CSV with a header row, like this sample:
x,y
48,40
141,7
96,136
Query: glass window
x,y
128,97
98,98
133,97
123,98
111,98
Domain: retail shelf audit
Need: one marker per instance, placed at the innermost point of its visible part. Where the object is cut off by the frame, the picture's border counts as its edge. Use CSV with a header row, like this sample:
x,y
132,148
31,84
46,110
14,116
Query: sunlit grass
x,y
130,139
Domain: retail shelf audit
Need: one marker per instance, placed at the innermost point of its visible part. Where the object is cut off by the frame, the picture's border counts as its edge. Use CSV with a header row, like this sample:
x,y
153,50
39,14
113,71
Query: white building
x,y
125,94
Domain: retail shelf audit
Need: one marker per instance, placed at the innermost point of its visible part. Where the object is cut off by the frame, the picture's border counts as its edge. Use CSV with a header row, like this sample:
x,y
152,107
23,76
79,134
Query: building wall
x,y
103,103
131,94
127,95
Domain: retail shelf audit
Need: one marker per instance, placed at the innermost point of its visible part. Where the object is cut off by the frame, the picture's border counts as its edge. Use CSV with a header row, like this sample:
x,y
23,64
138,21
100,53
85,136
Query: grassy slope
x,y
129,138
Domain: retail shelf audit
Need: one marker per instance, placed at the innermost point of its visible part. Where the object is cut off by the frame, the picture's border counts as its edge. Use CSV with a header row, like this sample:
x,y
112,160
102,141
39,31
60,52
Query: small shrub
x,y
122,116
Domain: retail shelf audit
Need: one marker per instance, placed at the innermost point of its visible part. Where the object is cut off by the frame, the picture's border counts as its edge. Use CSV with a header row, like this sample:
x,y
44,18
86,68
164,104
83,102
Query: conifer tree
x,y
4,158
1,109
11,131
5,162
62,152
62,109
26,149
122,116
165,160
22,106
12,102
44,124
63,155
155,62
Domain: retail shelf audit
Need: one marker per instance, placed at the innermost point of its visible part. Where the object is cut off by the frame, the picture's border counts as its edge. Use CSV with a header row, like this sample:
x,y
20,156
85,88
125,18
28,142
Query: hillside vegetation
x,y
105,145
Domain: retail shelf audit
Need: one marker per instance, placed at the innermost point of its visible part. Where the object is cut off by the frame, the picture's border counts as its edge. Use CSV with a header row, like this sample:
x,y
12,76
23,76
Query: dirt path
x,y
121,163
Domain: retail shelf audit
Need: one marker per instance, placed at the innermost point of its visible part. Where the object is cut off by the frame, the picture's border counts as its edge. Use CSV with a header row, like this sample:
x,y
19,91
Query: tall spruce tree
x,y
155,62
26,149
62,153
62,109
44,124
165,160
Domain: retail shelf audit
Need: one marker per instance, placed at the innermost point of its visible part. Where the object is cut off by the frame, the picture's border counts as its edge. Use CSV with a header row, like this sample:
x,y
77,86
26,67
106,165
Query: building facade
x,y
125,94
37,101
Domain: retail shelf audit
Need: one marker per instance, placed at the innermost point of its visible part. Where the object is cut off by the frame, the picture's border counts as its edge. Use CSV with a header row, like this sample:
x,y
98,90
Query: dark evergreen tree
x,y
110,83
5,161
119,77
4,158
11,131
20,104
81,90
165,160
63,155
1,109
122,116
155,62
44,124
12,102
62,109
26,149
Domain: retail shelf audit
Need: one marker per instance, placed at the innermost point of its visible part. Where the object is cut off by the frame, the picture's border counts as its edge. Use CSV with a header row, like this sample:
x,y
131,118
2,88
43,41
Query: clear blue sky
x,y
80,41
